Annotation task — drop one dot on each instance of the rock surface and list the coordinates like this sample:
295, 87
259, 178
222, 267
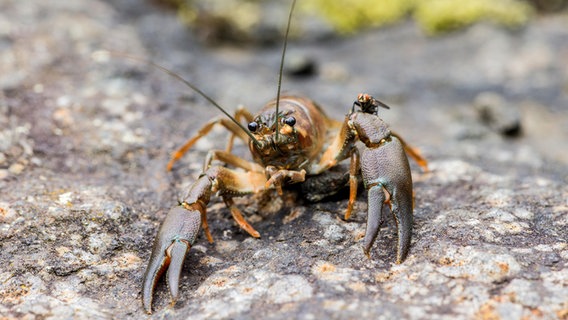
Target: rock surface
84, 145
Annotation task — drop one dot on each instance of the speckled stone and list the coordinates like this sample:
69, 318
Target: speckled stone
84, 145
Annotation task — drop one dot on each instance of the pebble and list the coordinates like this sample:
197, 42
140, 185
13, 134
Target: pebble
477, 265
551, 259
4, 173
290, 288
16, 168
524, 292
300, 65
500, 115
99, 242
334, 233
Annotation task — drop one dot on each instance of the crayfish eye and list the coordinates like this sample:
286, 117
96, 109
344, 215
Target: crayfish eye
291, 121
253, 126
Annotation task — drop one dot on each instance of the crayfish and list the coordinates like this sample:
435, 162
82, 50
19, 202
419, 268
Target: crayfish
290, 140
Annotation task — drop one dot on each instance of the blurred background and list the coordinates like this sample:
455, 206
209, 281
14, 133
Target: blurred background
232, 20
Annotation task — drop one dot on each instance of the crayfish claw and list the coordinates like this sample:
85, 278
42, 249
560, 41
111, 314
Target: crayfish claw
401, 208
397, 194
153, 273
177, 233
386, 174
177, 252
376, 200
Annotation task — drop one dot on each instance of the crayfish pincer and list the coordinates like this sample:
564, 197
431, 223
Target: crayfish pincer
386, 175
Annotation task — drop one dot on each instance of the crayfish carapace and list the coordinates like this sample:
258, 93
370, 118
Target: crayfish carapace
289, 139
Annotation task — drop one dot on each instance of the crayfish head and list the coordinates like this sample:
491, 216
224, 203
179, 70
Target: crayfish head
288, 148
274, 149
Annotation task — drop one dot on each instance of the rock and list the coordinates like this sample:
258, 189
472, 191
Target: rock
292, 288
498, 114
84, 188
300, 65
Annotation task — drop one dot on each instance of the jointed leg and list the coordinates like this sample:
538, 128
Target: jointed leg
277, 177
231, 159
239, 218
229, 183
353, 183
338, 150
240, 113
233, 128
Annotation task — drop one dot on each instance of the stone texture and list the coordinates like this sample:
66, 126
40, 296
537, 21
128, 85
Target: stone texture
83, 186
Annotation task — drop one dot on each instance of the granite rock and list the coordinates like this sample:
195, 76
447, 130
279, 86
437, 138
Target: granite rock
84, 144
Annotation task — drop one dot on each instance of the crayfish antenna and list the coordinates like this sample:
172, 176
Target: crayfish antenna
102, 55
282, 65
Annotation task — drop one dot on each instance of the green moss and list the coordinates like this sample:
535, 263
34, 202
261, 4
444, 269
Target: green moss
241, 14
348, 16
436, 16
